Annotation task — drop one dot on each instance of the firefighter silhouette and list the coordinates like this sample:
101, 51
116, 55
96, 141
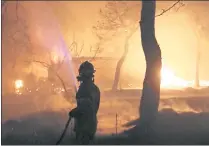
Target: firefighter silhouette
88, 101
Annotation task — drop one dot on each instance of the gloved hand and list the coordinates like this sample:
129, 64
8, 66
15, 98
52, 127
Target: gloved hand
72, 113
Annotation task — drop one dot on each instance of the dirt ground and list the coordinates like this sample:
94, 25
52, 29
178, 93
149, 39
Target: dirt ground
181, 120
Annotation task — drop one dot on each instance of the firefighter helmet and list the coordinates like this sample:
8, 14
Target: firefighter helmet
86, 70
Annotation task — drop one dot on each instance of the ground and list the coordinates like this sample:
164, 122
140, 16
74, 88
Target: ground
181, 120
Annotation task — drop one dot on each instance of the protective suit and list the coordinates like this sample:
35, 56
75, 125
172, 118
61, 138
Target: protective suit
88, 100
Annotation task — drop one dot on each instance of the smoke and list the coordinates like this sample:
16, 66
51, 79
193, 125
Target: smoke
46, 31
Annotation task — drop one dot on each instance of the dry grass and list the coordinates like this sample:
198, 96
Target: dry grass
48, 125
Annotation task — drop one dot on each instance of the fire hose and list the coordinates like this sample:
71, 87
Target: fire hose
63, 133
69, 119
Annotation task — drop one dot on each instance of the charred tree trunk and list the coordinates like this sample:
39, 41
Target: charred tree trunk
151, 86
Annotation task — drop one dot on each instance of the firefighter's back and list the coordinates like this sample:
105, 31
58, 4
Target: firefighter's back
88, 100
90, 94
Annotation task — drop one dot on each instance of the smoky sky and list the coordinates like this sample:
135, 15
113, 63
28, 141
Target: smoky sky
185, 29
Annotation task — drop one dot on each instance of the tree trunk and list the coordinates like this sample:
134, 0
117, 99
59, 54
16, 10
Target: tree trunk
197, 81
197, 67
122, 59
119, 66
2, 3
151, 86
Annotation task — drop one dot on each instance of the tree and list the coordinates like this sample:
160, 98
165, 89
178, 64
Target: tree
199, 30
53, 66
197, 79
15, 36
119, 19
55, 63
16, 46
151, 86
116, 21
197, 11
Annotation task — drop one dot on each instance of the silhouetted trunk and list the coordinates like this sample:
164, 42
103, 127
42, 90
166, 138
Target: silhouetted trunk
151, 86
121, 60
2, 3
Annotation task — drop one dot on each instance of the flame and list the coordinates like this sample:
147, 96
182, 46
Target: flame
170, 80
18, 84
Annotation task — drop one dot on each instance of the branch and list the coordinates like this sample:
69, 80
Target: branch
46, 65
61, 63
112, 16
104, 36
74, 47
71, 46
62, 82
79, 53
168, 9
42, 63
95, 54
14, 30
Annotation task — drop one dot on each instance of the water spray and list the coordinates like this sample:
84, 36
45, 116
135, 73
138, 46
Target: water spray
49, 34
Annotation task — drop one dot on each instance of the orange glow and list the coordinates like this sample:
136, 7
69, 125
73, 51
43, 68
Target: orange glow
168, 79
18, 84
55, 57
178, 43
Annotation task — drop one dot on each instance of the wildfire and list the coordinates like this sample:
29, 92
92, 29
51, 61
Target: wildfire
18, 84
170, 80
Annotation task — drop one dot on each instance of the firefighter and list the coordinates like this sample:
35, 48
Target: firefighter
88, 100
